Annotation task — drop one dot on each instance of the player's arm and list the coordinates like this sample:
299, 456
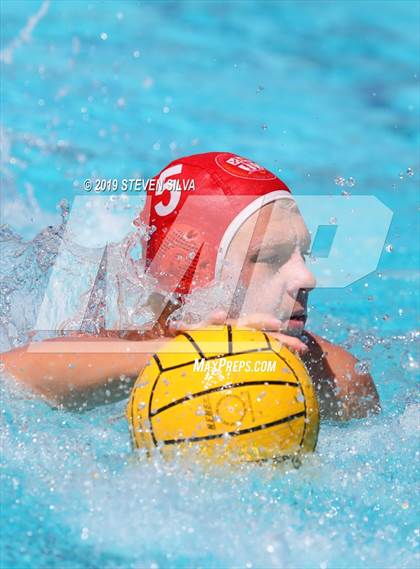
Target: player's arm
82, 370
79, 368
344, 392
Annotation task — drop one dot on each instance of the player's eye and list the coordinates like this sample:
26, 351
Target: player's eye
271, 260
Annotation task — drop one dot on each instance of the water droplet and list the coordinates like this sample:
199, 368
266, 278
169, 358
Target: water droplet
264, 127
362, 367
261, 396
104, 36
85, 533
409, 362
259, 89
389, 248
341, 181
410, 172
136, 54
333, 221
149, 232
385, 317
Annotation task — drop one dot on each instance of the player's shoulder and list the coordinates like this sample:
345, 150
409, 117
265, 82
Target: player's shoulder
333, 365
331, 352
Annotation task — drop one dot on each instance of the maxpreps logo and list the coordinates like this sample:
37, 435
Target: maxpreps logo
222, 367
242, 167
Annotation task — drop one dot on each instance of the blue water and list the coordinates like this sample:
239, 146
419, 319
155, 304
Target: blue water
312, 90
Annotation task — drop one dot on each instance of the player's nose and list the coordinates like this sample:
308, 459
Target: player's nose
302, 278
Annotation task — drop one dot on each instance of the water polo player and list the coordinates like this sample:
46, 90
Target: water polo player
231, 248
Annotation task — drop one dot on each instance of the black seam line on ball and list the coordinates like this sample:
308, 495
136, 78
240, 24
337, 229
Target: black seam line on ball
132, 429
194, 343
268, 341
277, 458
229, 331
218, 356
150, 408
158, 362
220, 388
235, 433
304, 399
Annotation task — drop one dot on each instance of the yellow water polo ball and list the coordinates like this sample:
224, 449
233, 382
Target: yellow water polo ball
226, 393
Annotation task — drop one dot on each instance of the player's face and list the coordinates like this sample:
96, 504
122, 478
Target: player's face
275, 279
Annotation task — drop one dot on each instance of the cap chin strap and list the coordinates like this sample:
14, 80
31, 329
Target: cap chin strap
242, 216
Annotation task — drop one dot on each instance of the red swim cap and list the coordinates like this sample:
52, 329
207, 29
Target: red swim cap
194, 207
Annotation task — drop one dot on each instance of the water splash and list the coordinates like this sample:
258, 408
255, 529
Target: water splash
110, 294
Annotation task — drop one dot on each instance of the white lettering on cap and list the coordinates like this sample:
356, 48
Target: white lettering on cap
163, 184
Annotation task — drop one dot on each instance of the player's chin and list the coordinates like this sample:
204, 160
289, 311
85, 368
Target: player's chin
295, 327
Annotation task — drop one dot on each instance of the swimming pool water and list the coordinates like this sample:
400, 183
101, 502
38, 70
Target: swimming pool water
312, 90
